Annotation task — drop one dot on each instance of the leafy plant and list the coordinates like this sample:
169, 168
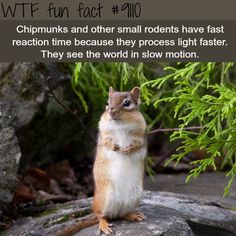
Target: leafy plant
181, 95
203, 94
91, 82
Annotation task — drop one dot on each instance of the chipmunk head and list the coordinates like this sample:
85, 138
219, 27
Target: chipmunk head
119, 102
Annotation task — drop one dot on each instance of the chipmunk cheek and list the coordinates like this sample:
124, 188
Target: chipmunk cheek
114, 114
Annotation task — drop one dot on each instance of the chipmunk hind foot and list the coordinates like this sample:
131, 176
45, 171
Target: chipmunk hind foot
138, 216
104, 226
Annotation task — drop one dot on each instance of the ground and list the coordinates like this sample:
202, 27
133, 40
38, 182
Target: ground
207, 184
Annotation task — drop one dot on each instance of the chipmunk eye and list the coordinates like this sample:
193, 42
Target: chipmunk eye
126, 103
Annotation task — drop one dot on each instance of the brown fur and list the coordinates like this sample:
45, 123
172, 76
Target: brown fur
115, 110
101, 182
101, 166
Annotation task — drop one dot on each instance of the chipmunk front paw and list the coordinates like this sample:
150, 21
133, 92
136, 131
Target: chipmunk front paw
115, 147
128, 149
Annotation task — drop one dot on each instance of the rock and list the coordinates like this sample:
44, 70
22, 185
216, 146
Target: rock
198, 211
46, 132
167, 214
206, 184
159, 221
23, 89
6, 117
4, 67
10, 155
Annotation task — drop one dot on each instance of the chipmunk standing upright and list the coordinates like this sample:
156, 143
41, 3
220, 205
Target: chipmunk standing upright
119, 165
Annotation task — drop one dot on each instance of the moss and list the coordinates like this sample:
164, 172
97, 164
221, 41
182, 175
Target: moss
230, 208
60, 220
39, 202
65, 218
48, 211
80, 214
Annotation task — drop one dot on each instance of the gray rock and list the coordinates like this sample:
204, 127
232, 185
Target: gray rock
6, 117
24, 87
159, 221
4, 67
9, 162
45, 131
206, 184
167, 214
21, 87
198, 210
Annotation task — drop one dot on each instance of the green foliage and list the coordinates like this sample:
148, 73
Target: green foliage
181, 95
91, 82
202, 94
121, 76
149, 167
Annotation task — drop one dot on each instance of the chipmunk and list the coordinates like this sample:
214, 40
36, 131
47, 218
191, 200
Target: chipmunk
119, 164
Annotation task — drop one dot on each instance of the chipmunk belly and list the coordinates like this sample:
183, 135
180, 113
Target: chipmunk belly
125, 172
126, 177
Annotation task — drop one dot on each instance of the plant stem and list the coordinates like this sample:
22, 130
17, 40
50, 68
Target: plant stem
174, 129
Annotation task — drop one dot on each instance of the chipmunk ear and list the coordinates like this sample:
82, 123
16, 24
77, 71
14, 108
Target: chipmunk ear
111, 91
135, 93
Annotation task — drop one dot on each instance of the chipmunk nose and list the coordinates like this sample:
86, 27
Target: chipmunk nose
113, 112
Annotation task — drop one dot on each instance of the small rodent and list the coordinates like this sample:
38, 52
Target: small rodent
119, 164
